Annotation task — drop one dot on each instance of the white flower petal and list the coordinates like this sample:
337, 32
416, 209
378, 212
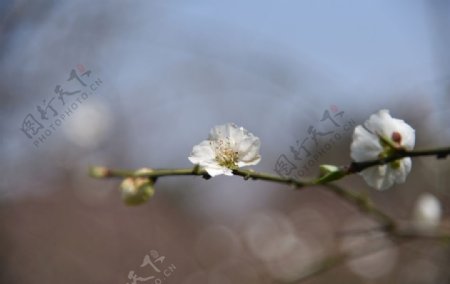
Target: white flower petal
204, 155
382, 123
378, 123
249, 163
248, 151
213, 170
237, 134
371, 176
225, 130
408, 136
365, 145
202, 152
378, 177
389, 178
403, 171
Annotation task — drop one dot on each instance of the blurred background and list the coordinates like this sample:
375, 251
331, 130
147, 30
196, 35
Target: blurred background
130, 84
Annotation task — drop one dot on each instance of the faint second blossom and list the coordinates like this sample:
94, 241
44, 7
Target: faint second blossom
427, 212
227, 148
377, 139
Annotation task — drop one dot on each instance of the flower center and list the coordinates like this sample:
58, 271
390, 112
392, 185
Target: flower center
388, 150
225, 155
396, 137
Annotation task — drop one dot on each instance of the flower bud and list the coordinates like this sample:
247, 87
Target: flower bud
330, 173
136, 190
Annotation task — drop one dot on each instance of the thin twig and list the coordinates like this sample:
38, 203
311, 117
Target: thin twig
196, 171
440, 153
354, 167
364, 205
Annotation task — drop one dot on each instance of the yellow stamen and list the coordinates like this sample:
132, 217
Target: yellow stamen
225, 155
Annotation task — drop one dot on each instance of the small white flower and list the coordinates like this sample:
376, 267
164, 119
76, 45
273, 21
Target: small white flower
228, 147
427, 212
367, 145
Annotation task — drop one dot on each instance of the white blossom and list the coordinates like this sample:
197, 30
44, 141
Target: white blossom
427, 212
368, 145
228, 147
